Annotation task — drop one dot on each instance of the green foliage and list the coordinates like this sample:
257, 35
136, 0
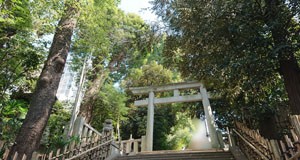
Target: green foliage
110, 104
95, 23
21, 53
14, 17
231, 46
164, 118
20, 58
126, 41
149, 74
12, 114
131, 44
45, 15
145, 76
135, 123
22, 23
54, 135
181, 133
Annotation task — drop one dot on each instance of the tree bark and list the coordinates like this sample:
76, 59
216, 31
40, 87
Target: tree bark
289, 70
28, 139
267, 126
86, 109
279, 21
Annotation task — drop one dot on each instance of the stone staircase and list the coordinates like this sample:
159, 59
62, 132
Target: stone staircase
180, 155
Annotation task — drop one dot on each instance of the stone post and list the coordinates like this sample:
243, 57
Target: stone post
176, 93
143, 148
107, 127
209, 118
108, 131
135, 147
129, 145
150, 122
78, 126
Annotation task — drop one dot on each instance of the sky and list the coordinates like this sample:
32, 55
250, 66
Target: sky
137, 6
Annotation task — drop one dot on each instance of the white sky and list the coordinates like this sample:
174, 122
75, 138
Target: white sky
137, 6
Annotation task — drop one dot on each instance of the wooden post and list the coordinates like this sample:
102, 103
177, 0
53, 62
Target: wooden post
24, 157
34, 156
5, 153
50, 154
1, 144
65, 153
57, 154
15, 156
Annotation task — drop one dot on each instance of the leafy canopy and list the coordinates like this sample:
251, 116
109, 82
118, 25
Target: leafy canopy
230, 46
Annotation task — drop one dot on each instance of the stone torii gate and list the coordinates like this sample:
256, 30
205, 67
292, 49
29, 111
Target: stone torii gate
176, 87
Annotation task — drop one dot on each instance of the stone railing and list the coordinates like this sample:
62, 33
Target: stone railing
132, 146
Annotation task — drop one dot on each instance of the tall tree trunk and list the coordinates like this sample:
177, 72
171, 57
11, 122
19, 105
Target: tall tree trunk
279, 20
289, 70
43, 98
267, 126
86, 109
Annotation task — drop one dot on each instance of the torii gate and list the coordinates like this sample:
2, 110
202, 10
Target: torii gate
176, 87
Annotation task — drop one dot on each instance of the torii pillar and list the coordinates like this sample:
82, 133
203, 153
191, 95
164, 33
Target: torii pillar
176, 98
150, 122
209, 118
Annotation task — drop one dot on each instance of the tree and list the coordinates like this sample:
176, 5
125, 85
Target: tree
54, 135
12, 115
14, 18
244, 49
129, 43
23, 25
47, 84
110, 104
143, 76
181, 133
19, 57
97, 48
136, 118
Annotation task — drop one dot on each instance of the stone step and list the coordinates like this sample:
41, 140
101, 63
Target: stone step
180, 156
